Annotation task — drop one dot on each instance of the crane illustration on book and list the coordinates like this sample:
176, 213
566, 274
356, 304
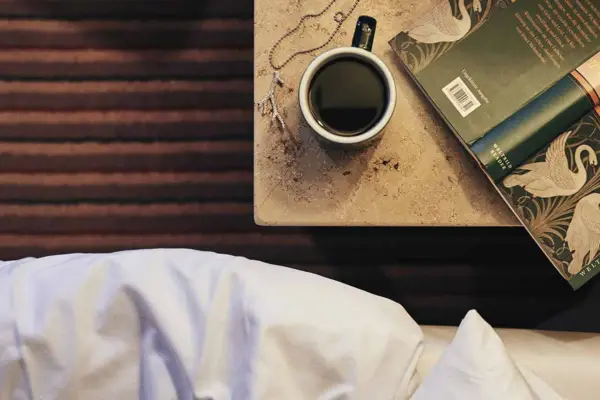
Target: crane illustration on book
440, 25
518, 83
560, 207
553, 177
583, 235
435, 32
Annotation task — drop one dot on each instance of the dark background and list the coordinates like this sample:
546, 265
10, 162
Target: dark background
128, 124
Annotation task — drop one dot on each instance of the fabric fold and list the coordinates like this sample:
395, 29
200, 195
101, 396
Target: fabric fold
184, 324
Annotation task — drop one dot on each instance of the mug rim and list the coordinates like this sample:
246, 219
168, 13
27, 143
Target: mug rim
305, 84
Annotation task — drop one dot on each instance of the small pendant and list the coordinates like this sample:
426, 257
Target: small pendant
269, 99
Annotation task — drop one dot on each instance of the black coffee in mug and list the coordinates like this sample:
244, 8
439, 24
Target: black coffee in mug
348, 96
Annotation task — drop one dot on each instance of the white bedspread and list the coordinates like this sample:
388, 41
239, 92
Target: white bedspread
182, 324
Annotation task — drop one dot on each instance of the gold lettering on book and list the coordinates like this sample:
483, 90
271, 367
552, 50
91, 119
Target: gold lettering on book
475, 86
593, 8
556, 27
526, 38
500, 157
589, 268
550, 48
587, 19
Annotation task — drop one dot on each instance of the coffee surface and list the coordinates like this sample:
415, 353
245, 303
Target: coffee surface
348, 96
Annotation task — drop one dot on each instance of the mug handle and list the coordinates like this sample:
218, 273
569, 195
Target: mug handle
364, 34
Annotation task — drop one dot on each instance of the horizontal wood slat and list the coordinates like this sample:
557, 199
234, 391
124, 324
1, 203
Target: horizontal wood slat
118, 157
460, 276
126, 125
133, 157
385, 245
125, 9
127, 187
525, 277
113, 64
119, 218
255, 245
272, 245
68, 35
153, 95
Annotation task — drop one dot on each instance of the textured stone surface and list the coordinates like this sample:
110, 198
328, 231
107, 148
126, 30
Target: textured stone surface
418, 174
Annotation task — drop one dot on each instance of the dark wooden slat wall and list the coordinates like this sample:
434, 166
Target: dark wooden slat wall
128, 124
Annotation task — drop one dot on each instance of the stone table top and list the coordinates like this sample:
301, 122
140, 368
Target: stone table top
417, 175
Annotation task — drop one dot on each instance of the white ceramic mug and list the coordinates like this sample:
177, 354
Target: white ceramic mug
361, 46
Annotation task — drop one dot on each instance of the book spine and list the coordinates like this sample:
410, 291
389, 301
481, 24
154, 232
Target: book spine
512, 142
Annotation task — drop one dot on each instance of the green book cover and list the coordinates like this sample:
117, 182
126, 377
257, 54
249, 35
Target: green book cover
556, 195
481, 61
517, 82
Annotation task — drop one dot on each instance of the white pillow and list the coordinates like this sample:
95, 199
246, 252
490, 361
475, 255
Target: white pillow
477, 366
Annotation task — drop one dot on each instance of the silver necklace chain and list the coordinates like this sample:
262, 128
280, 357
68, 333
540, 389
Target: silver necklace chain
269, 99
339, 17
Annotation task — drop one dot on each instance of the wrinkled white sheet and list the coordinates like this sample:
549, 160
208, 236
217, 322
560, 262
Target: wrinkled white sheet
182, 324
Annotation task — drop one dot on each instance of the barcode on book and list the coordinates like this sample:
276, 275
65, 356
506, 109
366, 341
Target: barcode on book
461, 97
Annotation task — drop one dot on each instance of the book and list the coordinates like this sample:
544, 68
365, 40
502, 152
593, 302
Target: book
518, 83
